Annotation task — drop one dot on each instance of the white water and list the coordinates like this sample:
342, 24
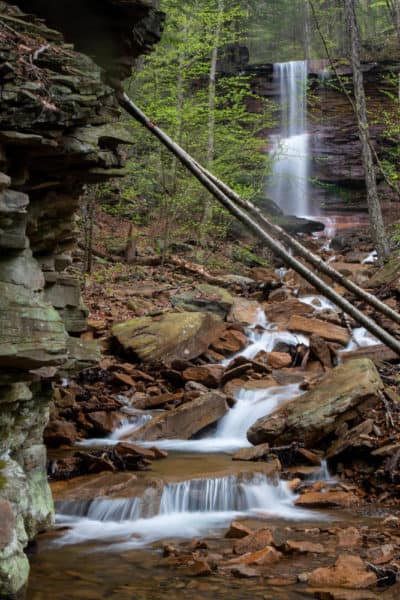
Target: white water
186, 509
288, 185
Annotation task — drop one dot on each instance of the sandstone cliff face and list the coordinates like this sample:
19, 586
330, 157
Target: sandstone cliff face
335, 149
57, 132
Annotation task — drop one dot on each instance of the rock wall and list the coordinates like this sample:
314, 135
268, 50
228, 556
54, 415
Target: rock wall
58, 131
335, 150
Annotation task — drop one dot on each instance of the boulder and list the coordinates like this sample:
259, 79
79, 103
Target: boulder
318, 413
186, 420
325, 330
205, 298
348, 572
183, 335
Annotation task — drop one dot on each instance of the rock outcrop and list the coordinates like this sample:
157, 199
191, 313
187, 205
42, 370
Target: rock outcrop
343, 397
57, 132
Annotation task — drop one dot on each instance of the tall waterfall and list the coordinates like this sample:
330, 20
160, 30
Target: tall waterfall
288, 184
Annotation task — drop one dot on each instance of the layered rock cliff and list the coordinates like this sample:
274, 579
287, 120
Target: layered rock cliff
58, 131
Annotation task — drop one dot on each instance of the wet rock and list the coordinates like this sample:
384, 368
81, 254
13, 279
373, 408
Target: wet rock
200, 568
256, 453
205, 298
244, 311
59, 432
342, 594
186, 420
244, 572
208, 375
254, 542
184, 335
349, 538
279, 360
237, 530
327, 499
348, 572
320, 349
357, 437
380, 555
303, 547
323, 329
229, 342
320, 411
104, 422
281, 312
265, 556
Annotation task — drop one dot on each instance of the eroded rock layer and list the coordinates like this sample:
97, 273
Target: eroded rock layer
58, 131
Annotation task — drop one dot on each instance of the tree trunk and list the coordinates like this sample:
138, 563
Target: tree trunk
207, 211
374, 207
257, 230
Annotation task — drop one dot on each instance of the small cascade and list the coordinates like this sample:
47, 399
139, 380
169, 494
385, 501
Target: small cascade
288, 184
181, 510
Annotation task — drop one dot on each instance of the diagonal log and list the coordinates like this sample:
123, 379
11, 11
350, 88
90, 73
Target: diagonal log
257, 229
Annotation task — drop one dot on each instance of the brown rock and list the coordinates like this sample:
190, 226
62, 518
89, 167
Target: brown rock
237, 531
348, 538
323, 329
254, 542
281, 312
319, 412
348, 572
265, 556
304, 547
381, 555
320, 349
342, 594
200, 568
125, 379
326, 499
125, 449
208, 375
230, 342
255, 453
104, 422
143, 401
244, 311
279, 360
7, 523
59, 432
244, 572
186, 420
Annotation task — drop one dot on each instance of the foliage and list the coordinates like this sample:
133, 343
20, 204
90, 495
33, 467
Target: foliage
173, 90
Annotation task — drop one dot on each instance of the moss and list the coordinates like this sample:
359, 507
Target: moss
247, 257
3, 479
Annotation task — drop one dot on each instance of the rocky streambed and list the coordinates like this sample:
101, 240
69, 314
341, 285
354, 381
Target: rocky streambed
259, 458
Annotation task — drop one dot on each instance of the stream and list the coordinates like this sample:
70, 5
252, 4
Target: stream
110, 547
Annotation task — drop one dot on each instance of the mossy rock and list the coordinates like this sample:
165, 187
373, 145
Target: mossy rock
205, 298
184, 335
245, 256
388, 274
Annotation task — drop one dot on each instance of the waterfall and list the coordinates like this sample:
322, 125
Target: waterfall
288, 184
185, 509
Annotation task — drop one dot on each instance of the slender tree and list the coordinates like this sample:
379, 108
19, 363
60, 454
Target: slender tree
374, 207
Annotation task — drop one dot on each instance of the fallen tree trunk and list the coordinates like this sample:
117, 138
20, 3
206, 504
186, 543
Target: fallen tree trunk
257, 229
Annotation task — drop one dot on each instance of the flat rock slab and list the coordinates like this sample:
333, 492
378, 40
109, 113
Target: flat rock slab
186, 420
319, 412
324, 329
348, 572
184, 335
205, 298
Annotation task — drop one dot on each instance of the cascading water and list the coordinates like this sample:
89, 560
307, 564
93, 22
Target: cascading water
288, 184
185, 509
